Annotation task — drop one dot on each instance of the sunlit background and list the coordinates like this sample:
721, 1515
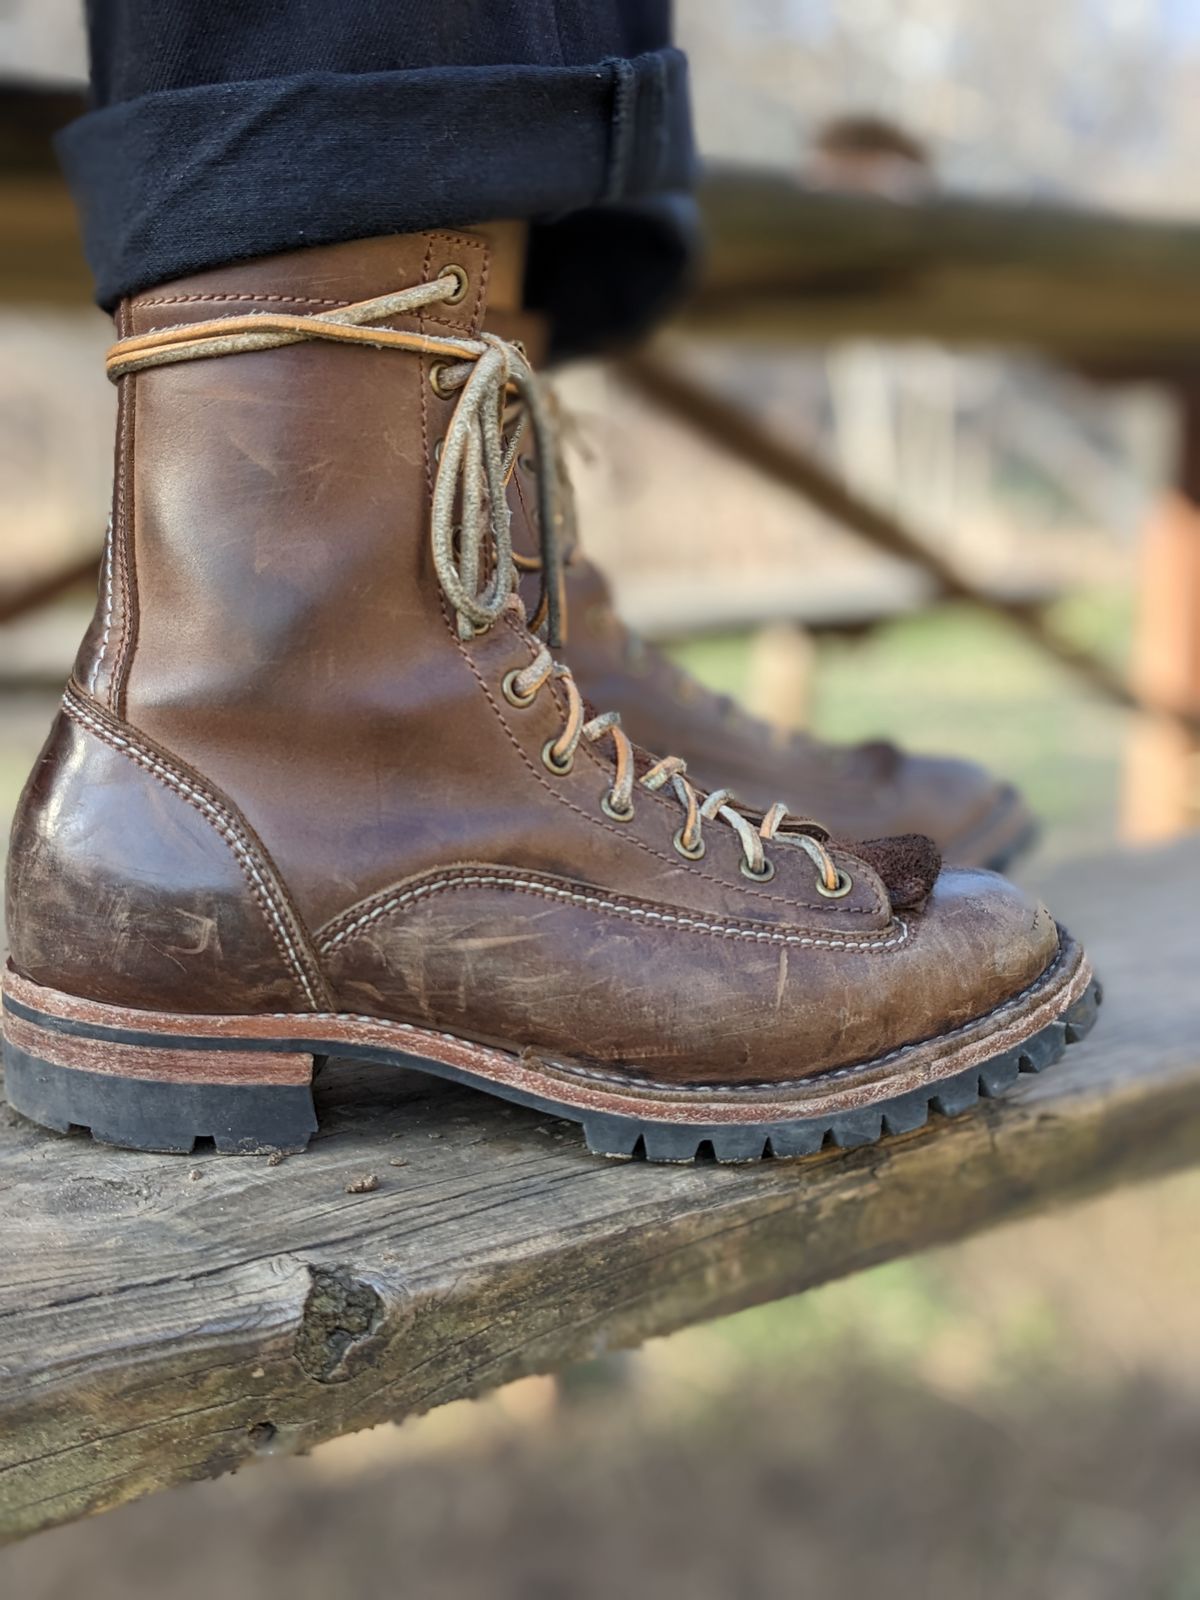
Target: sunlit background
1016, 1416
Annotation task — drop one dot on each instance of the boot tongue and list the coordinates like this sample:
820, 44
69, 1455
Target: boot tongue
520, 327
908, 866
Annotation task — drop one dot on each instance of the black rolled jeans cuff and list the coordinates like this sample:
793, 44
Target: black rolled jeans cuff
187, 179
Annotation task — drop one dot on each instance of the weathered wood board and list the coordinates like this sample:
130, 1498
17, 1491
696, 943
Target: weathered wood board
167, 1318
785, 262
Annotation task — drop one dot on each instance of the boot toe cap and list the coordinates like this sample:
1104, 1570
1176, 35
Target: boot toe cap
987, 940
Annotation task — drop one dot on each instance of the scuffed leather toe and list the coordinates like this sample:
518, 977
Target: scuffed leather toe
984, 940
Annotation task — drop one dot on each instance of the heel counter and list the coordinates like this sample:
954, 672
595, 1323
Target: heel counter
127, 885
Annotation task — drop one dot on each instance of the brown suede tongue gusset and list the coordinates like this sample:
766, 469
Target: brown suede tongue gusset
908, 865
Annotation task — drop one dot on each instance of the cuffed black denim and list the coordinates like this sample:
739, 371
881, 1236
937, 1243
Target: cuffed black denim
223, 130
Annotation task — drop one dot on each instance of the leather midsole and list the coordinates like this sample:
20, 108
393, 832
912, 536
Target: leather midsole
155, 1046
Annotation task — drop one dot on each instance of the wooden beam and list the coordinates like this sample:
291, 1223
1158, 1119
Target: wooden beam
171, 1318
42, 262
31, 113
19, 602
785, 263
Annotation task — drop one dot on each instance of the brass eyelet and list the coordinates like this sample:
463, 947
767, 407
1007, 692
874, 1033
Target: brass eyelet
435, 380
843, 887
693, 853
453, 270
552, 763
610, 810
765, 876
437, 452
512, 694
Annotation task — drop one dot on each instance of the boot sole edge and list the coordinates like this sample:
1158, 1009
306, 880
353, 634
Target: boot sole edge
155, 1089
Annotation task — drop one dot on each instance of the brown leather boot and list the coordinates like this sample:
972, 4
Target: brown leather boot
316, 788
865, 790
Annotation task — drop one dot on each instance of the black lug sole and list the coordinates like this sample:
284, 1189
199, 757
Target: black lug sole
248, 1118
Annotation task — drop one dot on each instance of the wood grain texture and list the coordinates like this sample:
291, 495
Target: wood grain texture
169, 1318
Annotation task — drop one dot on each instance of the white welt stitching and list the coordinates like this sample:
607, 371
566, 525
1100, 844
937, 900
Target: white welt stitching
108, 608
628, 1080
222, 823
723, 930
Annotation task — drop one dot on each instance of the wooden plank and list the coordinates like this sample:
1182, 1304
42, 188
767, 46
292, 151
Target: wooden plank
19, 602
42, 262
785, 262
166, 1319
31, 112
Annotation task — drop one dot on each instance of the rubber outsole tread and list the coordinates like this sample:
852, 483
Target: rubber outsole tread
621, 1137
172, 1117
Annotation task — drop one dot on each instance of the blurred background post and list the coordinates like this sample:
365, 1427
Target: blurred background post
932, 420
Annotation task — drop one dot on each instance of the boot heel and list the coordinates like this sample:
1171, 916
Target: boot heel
162, 1097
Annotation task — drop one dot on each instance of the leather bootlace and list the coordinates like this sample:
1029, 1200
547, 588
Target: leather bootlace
499, 396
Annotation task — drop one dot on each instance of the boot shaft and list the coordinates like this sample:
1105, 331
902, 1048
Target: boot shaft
269, 635
269, 545
270, 613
